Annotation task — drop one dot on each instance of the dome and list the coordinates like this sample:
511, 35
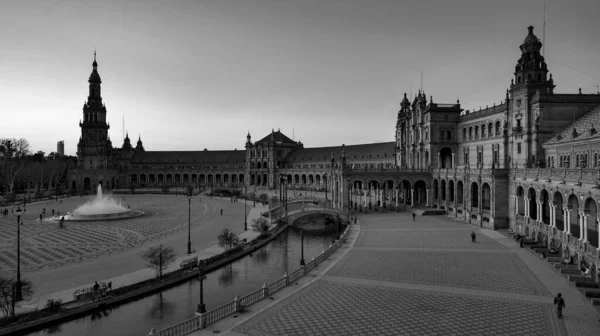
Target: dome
95, 77
531, 41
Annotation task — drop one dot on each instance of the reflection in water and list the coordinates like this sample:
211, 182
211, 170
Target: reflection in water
53, 329
261, 256
227, 275
160, 307
98, 315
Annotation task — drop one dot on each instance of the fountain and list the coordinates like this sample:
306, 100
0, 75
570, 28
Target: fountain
99, 208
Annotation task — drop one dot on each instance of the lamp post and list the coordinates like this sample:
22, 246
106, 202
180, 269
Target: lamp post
349, 200
189, 244
17, 211
254, 196
301, 248
201, 306
245, 214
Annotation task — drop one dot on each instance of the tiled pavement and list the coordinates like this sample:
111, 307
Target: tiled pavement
419, 281
44, 245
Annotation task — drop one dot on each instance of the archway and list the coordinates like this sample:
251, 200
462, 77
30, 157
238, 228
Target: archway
474, 195
87, 184
202, 179
258, 180
520, 201
443, 190
545, 215
252, 179
446, 158
459, 192
420, 193
573, 206
406, 194
592, 221
486, 197
451, 191
169, 178
532, 204
435, 190
265, 180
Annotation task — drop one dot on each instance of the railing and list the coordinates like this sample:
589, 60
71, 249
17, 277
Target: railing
589, 175
384, 169
212, 316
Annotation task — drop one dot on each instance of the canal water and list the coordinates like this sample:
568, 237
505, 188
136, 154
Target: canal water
177, 304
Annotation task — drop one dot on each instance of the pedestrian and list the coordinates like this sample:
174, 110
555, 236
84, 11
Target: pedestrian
41, 216
559, 302
473, 236
52, 212
414, 215
221, 212
110, 285
96, 286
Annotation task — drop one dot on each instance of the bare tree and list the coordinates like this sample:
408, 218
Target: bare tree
228, 239
7, 286
159, 258
260, 225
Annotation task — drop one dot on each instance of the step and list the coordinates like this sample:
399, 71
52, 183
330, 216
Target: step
541, 250
585, 284
592, 293
575, 271
580, 278
552, 259
561, 265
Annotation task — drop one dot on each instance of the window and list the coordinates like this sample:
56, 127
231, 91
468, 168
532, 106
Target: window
442, 133
490, 129
449, 135
476, 132
518, 123
465, 133
470, 133
483, 131
497, 128
519, 148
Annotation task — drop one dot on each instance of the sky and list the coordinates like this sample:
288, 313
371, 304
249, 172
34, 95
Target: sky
189, 75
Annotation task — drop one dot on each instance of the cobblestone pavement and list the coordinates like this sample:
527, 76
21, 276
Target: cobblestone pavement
490, 271
44, 245
407, 278
452, 239
329, 308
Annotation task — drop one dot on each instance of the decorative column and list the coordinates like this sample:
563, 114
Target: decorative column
397, 192
516, 205
553, 215
567, 220
412, 197
583, 215
452, 163
427, 197
526, 206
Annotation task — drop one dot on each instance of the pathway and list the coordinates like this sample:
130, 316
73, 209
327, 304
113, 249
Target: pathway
395, 276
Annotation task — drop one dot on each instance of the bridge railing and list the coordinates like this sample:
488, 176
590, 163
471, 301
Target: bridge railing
201, 321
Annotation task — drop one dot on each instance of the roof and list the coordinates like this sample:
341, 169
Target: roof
207, 156
585, 128
278, 137
366, 151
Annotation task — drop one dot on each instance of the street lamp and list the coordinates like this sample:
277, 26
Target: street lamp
349, 200
245, 214
189, 244
201, 306
17, 211
254, 196
302, 248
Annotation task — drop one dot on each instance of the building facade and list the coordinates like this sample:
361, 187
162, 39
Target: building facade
528, 162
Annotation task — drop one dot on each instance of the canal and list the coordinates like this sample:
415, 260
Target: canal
177, 304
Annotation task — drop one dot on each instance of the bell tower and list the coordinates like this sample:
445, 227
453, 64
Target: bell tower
93, 149
530, 79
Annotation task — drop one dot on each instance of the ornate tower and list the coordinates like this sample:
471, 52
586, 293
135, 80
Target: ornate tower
94, 147
531, 74
401, 125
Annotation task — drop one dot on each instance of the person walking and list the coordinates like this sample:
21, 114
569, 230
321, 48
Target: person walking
221, 212
473, 236
559, 303
414, 215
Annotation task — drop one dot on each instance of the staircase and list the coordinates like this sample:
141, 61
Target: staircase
586, 285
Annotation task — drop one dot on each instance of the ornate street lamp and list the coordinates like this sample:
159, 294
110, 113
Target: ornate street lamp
201, 306
302, 248
189, 243
254, 196
245, 214
18, 212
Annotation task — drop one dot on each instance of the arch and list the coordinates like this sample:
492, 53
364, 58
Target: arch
446, 158
210, 180
483, 131
226, 178
134, 178
218, 179
258, 179
258, 164
590, 209
464, 133
289, 178
573, 206
242, 178
152, 178
459, 192
545, 215
311, 179
194, 178
161, 178
142, 178
451, 191
490, 130
520, 201
474, 195
177, 178
435, 189
303, 179
470, 132
252, 179
169, 178
532, 204
476, 131
420, 193
318, 180
265, 180
186, 178
443, 190
498, 127
486, 196
87, 184
296, 179
202, 178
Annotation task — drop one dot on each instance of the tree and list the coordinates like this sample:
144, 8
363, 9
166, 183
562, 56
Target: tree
228, 239
6, 292
159, 258
260, 225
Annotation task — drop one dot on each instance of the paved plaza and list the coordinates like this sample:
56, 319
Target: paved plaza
45, 245
399, 277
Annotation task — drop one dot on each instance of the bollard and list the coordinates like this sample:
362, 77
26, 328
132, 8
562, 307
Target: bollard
238, 306
265, 290
287, 279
